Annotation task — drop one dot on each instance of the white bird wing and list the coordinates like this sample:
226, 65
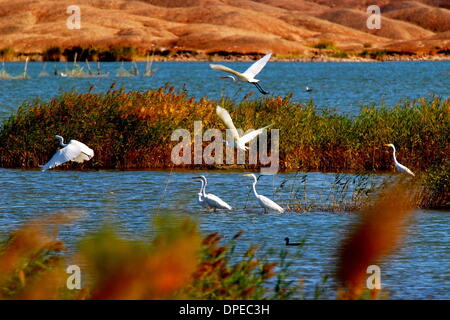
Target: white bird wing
225, 69
74, 151
253, 134
257, 66
68, 153
266, 202
226, 119
86, 153
215, 202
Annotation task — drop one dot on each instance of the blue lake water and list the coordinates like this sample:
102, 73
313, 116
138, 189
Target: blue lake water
340, 86
129, 200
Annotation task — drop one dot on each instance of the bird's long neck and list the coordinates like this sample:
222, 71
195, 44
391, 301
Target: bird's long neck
201, 188
61, 142
395, 158
204, 186
254, 187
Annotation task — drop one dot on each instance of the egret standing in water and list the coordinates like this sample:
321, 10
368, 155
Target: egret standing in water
399, 166
201, 200
209, 200
72, 151
249, 74
265, 202
240, 141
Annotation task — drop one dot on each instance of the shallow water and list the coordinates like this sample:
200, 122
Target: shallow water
130, 200
340, 86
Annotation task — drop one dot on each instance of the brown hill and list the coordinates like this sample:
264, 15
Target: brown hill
434, 19
281, 26
390, 28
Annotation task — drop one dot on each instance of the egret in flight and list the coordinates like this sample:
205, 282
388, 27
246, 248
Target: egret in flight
265, 202
249, 74
240, 141
399, 166
209, 200
72, 151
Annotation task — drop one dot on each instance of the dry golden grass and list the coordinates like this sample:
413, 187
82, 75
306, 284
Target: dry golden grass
376, 235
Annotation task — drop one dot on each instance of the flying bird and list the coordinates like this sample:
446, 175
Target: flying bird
399, 166
249, 74
265, 202
240, 141
209, 200
72, 151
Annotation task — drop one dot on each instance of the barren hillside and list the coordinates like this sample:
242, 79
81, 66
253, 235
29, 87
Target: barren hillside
241, 26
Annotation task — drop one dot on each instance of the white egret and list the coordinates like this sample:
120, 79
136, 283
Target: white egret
265, 202
209, 200
249, 74
73, 151
201, 201
399, 166
240, 141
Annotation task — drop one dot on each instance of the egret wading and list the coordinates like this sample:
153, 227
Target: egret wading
399, 166
265, 202
249, 74
240, 141
209, 200
72, 151
201, 201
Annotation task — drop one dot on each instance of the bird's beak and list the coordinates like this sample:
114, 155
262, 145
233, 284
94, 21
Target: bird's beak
196, 177
386, 145
246, 175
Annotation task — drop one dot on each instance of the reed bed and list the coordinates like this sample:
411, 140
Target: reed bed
132, 130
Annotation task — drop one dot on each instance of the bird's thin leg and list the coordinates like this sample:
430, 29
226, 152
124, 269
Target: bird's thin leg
259, 88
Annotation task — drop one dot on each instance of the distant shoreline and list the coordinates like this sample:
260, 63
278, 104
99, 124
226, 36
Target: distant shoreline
274, 59
119, 54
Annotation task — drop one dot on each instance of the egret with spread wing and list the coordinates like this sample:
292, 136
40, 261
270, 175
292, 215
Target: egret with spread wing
209, 200
249, 74
399, 166
240, 141
265, 202
72, 151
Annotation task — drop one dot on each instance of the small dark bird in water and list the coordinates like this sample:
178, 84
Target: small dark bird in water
291, 244
308, 89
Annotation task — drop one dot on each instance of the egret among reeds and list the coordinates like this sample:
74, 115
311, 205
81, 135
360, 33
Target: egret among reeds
209, 200
399, 166
265, 202
240, 141
72, 151
249, 74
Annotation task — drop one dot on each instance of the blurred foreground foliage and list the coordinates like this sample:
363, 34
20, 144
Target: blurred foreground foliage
177, 264
180, 263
